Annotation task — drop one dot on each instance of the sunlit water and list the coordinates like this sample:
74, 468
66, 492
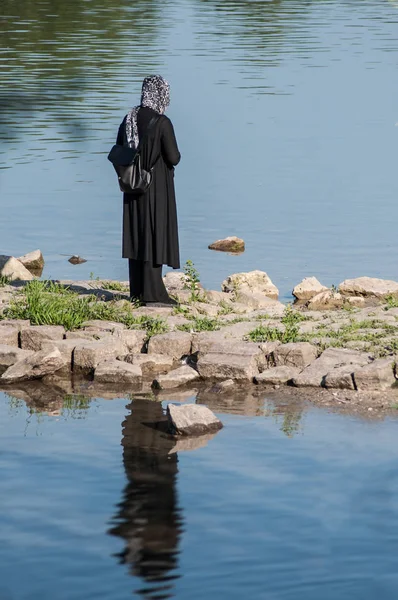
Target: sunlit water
285, 113
283, 503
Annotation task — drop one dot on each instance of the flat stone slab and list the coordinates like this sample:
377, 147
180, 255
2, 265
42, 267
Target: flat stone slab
88, 355
314, 375
117, 372
192, 419
276, 375
10, 355
240, 367
9, 336
176, 378
369, 287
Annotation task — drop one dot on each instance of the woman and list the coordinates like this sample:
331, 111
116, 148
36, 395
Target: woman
150, 233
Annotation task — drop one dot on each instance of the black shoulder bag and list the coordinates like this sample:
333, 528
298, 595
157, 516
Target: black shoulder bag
133, 179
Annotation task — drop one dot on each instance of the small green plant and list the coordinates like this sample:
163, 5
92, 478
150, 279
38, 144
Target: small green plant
225, 308
392, 302
192, 281
93, 278
292, 317
115, 286
200, 324
4, 280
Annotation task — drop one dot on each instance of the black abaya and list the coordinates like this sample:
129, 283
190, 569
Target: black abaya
150, 220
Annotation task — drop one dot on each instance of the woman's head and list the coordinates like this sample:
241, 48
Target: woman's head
155, 93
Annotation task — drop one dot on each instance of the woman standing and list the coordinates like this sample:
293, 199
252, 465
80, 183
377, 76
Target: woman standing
150, 231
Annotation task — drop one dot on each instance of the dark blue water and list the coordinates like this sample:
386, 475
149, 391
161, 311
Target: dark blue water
292, 503
285, 112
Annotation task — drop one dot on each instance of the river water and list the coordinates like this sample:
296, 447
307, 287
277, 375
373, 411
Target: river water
285, 113
284, 502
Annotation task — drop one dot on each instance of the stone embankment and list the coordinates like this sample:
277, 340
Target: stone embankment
338, 339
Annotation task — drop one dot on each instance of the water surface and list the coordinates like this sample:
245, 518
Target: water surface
285, 112
285, 502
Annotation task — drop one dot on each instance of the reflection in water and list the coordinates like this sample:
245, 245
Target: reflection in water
149, 519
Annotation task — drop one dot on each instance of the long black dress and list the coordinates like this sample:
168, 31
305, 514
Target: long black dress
150, 230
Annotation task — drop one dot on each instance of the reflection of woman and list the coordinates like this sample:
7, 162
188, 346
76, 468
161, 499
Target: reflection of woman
150, 235
149, 519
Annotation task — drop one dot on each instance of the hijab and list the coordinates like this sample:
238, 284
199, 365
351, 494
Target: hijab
155, 95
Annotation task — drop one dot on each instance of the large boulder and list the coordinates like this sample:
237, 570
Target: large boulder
175, 281
229, 244
253, 282
299, 355
192, 419
117, 372
33, 261
378, 375
88, 355
315, 374
307, 289
35, 366
175, 344
176, 378
369, 287
13, 269
9, 356
239, 367
32, 338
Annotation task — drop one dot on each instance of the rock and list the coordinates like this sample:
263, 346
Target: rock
369, 287
33, 261
176, 378
308, 288
91, 335
298, 355
229, 244
175, 344
66, 348
18, 324
208, 310
175, 281
117, 372
9, 356
150, 363
35, 366
9, 336
192, 419
239, 367
326, 301
98, 325
13, 269
32, 338
254, 282
340, 378
378, 375
314, 375
76, 260
215, 297
256, 300
88, 355
133, 339
267, 348
276, 375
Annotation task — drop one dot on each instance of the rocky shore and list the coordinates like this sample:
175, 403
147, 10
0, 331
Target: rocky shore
343, 340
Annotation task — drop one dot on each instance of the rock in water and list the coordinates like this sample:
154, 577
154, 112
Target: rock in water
229, 244
35, 366
33, 261
76, 260
369, 287
192, 419
13, 269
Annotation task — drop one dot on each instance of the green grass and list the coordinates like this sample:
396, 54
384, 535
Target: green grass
115, 286
201, 324
225, 308
4, 280
46, 303
392, 302
273, 334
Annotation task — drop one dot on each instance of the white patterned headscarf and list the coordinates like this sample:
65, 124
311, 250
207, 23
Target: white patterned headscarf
156, 95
